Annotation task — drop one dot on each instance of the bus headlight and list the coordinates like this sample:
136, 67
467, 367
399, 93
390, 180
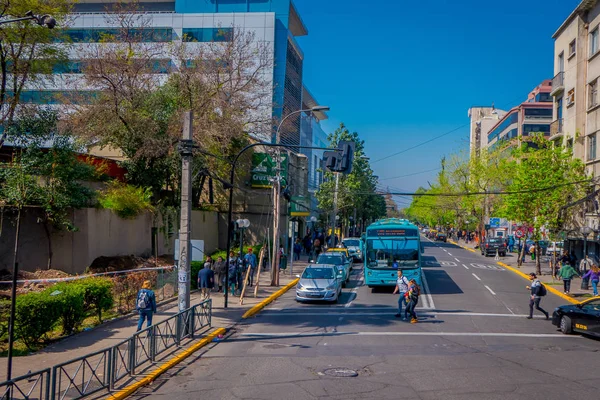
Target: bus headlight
369, 274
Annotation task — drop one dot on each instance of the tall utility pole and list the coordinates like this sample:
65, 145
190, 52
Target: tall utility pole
186, 213
276, 195
335, 209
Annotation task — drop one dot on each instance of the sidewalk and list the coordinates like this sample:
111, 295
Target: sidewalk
529, 266
112, 332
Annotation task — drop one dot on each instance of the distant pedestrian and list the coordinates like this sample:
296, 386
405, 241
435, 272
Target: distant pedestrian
594, 276
206, 280
317, 249
401, 288
145, 305
566, 273
413, 299
233, 272
297, 249
220, 268
252, 263
208, 263
532, 251
307, 241
511, 244
538, 290
241, 272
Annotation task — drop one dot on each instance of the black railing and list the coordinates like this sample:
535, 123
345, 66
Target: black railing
103, 369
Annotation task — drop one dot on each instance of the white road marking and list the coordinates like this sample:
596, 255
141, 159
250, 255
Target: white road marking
391, 311
427, 291
449, 254
353, 291
456, 259
465, 266
491, 291
413, 333
476, 277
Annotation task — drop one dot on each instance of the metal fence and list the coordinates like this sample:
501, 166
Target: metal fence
106, 368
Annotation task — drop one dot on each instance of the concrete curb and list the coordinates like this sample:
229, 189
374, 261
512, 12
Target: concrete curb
548, 287
258, 307
123, 393
462, 247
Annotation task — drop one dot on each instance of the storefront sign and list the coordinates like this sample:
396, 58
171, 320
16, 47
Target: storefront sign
264, 169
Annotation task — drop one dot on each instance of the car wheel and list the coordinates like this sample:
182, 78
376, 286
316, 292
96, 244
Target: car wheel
502, 254
566, 326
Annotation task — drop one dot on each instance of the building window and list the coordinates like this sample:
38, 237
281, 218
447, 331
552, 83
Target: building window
593, 42
112, 35
207, 34
572, 48
593, 93
570, 97
592, 147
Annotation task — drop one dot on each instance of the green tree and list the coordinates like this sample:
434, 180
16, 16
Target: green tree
545, 178
25, 54
45, 172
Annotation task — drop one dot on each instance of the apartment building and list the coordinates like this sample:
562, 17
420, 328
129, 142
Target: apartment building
483, 119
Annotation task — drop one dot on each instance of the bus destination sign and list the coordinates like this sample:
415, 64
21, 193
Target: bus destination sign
393, 232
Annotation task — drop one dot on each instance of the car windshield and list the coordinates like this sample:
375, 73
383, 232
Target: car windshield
383, 253
495, 240
352, 242
317, 273
330, 259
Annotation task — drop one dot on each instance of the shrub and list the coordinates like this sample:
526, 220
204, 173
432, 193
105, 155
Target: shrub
36, 314
125, 200
4, 317
70, 296
98, 295
126, 287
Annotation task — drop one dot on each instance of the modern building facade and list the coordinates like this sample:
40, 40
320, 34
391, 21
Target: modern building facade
483, 119
532, 116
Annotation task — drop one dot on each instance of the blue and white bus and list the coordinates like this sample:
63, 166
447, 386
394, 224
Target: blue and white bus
391, 242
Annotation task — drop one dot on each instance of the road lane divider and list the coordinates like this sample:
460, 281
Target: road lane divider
476, 277
488, 288
457, 260
548, 287
258, 307
125, 392
464, 265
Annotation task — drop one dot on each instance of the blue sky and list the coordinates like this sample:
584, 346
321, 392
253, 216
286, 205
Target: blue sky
400, 72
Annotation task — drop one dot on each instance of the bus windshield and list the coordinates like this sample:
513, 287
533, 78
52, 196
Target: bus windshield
352, 242
382, 253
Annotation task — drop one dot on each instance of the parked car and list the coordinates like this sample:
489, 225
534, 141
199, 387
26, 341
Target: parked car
319, 282
339, 261
583, 317
555, 247
441, 236
355, 248
492, 245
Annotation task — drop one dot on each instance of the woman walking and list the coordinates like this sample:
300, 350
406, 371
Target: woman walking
566, 273
594, 276
220, 269
413, 299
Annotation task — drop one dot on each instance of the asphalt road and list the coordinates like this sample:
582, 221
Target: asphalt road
472, 342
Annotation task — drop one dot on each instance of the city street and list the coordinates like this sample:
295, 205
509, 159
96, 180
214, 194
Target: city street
472, 342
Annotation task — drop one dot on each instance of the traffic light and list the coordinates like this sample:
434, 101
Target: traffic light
331, 160
347, 158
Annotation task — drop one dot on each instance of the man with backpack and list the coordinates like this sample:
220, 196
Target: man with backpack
145, 305
538, 290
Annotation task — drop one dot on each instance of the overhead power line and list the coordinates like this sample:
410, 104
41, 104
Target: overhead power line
412, 174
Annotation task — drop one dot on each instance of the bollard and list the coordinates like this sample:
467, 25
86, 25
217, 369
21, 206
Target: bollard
497, 257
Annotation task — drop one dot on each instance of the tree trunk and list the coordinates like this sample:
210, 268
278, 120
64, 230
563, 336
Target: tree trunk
521, 253
538, 253
49, 240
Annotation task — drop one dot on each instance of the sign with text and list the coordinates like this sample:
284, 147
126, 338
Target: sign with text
299, 207
264, 168
392, 232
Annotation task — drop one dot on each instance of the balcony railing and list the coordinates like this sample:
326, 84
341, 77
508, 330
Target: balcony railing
556, 127
558, 84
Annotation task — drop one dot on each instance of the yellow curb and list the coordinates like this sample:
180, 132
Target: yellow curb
255, 309
123, 393
462, 247
548, 287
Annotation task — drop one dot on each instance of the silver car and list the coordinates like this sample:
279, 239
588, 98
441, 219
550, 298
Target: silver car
319, 282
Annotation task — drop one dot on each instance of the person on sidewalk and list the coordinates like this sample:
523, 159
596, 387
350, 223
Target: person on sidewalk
220, 269
413, 299
251, 262
537, 291
401, 287
206, 281
233, 273
511, 244
317, 248
594, 276
145, 305
566, 273
297, 249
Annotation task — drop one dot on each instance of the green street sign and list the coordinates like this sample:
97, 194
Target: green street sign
299, 207
263, 168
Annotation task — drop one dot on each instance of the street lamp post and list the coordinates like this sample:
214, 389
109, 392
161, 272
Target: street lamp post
586, 230
277, 193
50, 23
242, 224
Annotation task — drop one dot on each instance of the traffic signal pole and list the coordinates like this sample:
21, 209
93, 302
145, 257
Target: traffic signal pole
335, 209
